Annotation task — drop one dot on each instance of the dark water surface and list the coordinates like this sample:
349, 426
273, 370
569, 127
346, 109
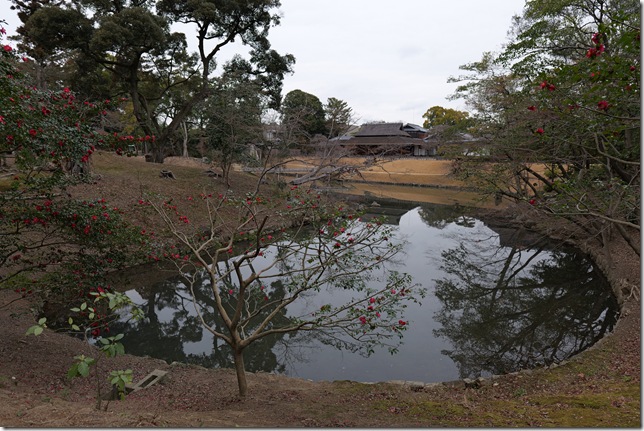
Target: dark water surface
498, 300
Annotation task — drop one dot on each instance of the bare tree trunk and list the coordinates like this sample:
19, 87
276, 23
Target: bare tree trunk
241, 372
184, 129
157, 155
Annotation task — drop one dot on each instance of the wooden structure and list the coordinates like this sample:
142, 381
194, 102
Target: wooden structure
388, 139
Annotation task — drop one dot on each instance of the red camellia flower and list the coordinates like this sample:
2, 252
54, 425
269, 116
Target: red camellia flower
532, 108
539, 131
7, 48
603, 105
547, 86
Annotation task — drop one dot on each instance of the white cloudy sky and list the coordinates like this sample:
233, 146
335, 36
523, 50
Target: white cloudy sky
388, 60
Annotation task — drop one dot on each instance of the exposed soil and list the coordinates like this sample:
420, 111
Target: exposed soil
600, 387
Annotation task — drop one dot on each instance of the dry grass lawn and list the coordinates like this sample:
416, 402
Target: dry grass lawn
400, 171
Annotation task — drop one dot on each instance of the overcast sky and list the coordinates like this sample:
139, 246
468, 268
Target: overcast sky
389, 61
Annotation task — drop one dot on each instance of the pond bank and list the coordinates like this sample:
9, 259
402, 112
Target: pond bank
598, 388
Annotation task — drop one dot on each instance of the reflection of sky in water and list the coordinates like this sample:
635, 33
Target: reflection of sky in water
419, 357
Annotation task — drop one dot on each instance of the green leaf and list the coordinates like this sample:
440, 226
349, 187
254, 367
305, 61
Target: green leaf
83, 306
38, 330
42, 321
75, 309
120, 349
75, 328
83, 369
73, 371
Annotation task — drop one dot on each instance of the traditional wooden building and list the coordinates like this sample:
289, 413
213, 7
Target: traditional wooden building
388, 139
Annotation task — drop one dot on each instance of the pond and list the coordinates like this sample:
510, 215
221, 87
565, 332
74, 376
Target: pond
498, 300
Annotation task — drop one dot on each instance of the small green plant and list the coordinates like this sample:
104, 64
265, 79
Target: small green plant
38, 328
119, 379
94, 315
81, 367
111, 346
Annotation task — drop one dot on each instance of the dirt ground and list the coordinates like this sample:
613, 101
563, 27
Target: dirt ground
599, 388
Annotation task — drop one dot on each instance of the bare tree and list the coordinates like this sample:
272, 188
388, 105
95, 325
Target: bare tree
246, 263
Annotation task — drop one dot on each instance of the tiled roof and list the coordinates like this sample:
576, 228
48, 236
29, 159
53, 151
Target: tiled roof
381, 129
384, 140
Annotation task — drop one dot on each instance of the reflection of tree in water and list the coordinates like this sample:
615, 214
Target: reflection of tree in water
160, 338
439, 216
165, 338
505, 309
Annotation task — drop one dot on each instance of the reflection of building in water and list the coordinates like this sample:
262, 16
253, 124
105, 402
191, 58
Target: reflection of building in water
391, 209
391, 215
517, 238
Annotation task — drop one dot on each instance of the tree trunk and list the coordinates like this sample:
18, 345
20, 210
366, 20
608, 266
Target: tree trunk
184, 130
241, 372
157, 154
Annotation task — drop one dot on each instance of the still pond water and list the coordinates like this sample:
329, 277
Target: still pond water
498, 300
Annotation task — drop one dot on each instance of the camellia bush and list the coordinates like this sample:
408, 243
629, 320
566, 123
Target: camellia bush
560, 109
50, 242
54, 248
257, 274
